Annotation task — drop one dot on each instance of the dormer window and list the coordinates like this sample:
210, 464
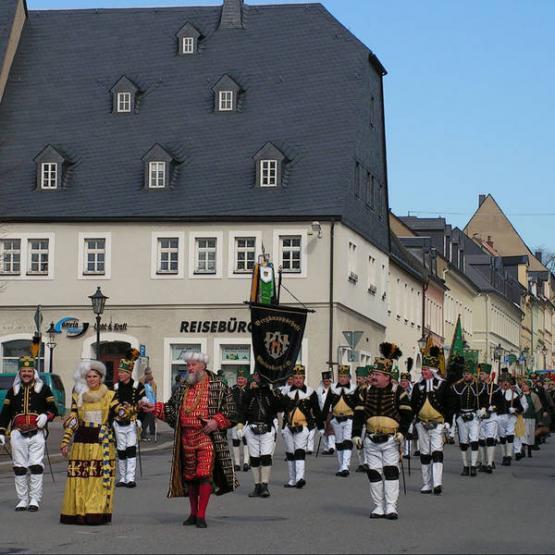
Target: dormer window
226, 101
158, 168
226, 93
124, 102
269, 166
124, 96
187, 40
157, 175
50, 167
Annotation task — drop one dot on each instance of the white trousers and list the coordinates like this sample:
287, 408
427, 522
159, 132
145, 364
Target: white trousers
469, 432
310, 442
295, 450
530, 436
28, 454
343, 433
238, 439
431, 443
126, 445
488, 427
259, 444
506, 423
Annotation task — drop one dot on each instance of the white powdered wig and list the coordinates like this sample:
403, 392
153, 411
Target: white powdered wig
193, 355
80, 374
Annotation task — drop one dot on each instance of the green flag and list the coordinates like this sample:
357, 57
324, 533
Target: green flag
457, 344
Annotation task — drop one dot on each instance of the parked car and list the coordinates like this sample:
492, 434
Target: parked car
52, 380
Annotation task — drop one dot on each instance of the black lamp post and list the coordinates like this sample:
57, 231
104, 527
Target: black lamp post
497, 353
98, 301
422, 343
51, 344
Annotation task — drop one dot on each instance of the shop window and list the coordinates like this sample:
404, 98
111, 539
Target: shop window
232, 357
11, 351
178, 351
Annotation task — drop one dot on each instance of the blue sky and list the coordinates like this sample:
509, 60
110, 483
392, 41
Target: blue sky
469, 101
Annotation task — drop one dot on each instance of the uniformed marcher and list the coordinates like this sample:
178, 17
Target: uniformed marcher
239, 390
507, 408
488, 435
257, 416
362, 374
385, 413
432, 408
128, 393
411, 439
340, 403
301, 414
28, 407
466, 403
322, 392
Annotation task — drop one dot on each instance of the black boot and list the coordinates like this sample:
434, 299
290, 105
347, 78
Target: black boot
473, 471
256, 491
465, 471
529, 451
264, 491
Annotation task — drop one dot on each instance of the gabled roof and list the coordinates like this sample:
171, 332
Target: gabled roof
59, 90
481, 222
124, 84
406, 260
188, 30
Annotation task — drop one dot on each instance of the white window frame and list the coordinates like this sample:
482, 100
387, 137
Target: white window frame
246, 339
157, 169
193, 236
168, 342
23, 274
155, 236
169, 250
352, 265
372, 275
278, 260
40, 252
187, 45
268, 173
124, 102
82, 257
225, 101
11, 252
232, 252
25, 337
49, 175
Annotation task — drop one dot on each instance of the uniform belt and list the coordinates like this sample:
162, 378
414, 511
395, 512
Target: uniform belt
123, 422
28, 433
343, 418
379, 437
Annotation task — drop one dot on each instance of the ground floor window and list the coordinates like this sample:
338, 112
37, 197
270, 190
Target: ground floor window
233, 356
177, 352
10, 351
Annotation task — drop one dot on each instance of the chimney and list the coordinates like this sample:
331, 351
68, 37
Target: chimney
481, 199
539, 255
232, 15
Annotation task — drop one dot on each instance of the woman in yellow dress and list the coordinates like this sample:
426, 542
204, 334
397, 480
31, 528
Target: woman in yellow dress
89, 489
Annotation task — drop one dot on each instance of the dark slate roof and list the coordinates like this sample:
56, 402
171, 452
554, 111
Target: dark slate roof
299, 67
7, 14
406, 259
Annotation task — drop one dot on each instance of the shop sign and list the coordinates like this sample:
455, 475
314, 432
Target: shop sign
215, 326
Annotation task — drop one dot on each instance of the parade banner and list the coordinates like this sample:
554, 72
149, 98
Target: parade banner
277, 333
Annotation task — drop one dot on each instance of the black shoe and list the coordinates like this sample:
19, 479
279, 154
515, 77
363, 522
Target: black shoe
246, 467
191, 521
466, 471
326, 452
264, 491
309, 452
20, 509
426, 491
339, 473
518, 456
201, 523
131, 485
509, 461
535, 448
376, 515
256, 491
473, 471
437, 490
493, 465
237, 468
488, 469
530, 452
300, 484
360, 468
332, 451
344, 473
504, 462
33, 508
391, 516
406, 457
417, 453
288, 485
481, 468
121, 485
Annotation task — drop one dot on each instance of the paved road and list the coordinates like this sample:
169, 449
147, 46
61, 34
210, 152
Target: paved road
507, 512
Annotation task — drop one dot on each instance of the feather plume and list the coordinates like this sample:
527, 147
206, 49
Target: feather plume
410, 364
434, 351
390, 350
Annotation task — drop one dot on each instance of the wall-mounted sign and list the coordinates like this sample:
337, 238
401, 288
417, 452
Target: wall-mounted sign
215, 326
72, 326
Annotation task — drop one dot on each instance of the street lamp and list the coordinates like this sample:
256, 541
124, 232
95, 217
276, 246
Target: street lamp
544, 353
51, 344
98, 301
422, 342
497, 353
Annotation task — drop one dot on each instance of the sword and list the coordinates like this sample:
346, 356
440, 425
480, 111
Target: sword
318, 448
137, 434
409, 453
48, 458
402, 467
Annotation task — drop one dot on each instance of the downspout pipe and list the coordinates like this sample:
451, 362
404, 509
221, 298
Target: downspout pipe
330, 330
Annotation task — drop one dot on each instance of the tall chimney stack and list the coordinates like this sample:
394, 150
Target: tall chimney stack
232, 15
481, 199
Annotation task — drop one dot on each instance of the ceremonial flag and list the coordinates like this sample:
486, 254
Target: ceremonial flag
277, 334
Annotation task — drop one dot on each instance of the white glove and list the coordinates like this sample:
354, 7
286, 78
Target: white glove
446, 426
399, 438
491, 408
512, 410
139, 424
2, 440
321, 431
42, 419
482, 412
357, 442
240, 430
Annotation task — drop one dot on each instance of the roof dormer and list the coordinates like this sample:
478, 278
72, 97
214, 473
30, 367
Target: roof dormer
50, 169
159, 164
270, 162
226, 94
187, 40
124, 96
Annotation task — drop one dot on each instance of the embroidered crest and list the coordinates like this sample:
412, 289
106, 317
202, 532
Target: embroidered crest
276, 343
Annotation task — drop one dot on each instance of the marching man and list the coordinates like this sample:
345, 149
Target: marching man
301, 413
128, 394
385, 413
431, 406
322, 392
239, 390
489, 397
28, 407
341, 402
509, 405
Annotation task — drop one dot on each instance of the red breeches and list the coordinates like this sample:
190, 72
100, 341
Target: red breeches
198, 455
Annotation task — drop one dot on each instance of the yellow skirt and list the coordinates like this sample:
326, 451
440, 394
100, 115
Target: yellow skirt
87, 500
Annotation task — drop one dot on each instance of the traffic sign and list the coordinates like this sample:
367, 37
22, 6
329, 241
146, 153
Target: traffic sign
142, 350
352, 337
